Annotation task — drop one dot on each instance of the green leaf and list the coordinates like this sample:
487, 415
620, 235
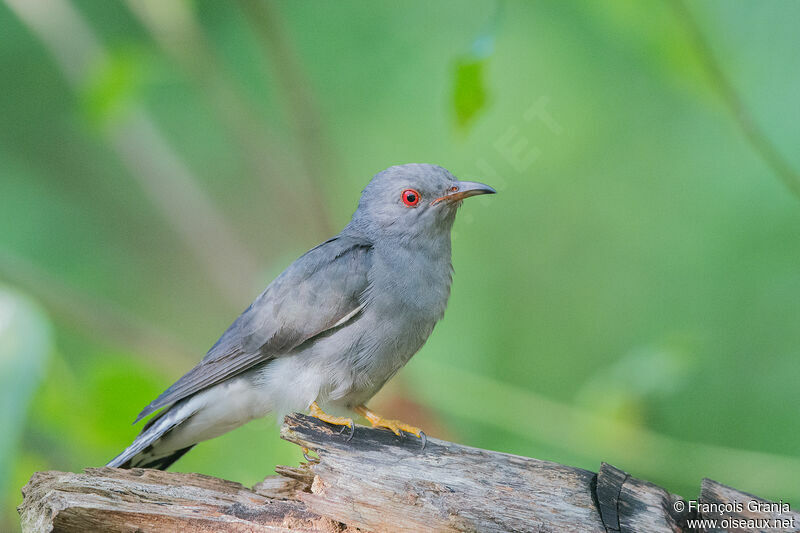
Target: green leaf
113, 85
469, 91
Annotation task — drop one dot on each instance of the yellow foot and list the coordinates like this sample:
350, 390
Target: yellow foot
395, 425
316, 412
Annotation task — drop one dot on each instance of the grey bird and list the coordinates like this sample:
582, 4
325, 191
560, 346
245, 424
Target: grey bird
331, 329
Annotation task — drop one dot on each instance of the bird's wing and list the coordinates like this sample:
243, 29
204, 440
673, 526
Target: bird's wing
320, 291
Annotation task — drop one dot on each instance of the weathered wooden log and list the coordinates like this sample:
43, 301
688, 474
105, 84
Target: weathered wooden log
138, 500
734, 510
382, 483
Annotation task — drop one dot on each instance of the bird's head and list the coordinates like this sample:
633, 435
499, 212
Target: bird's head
414, 199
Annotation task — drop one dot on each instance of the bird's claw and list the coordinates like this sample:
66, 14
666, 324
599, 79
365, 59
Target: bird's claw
395, 426
308, 458
401, 432
352, 432
318, 413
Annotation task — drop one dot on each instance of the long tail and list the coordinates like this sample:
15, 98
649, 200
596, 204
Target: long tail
143, 453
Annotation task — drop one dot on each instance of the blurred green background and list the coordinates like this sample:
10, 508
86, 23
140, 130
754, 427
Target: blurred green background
631, 296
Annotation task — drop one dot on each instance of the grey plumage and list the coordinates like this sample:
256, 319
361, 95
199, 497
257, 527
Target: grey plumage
332, 328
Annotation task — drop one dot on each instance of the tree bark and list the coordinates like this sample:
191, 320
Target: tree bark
382, 483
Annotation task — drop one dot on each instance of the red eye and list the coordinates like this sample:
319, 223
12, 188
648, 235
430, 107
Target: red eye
410, 197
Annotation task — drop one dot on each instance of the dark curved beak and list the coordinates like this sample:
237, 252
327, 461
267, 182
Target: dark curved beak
465, 190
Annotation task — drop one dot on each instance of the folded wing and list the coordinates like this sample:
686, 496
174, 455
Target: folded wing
320, 291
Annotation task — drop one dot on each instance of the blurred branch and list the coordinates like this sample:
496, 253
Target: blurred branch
316, 156
757, 138
590, 435
95, 315
136, 139
174, 190
174, 26
74, 52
